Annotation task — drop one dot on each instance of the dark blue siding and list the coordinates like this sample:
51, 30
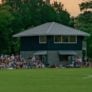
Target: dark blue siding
32, 44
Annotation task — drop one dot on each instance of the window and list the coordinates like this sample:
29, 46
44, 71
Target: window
57, 39
65, 39
73, 39
42, 39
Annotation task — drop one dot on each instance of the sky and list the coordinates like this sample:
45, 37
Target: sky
72, 6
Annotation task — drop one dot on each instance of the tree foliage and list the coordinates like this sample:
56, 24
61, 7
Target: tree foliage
18, 15
6, 19
86, 5
84, 22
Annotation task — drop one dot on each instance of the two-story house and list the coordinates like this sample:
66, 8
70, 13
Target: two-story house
54, 43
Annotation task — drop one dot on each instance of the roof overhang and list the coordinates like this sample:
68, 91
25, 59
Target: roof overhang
40, 53
67, 53
51, 28
86, 35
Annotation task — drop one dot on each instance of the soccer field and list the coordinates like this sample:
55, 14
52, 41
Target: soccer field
46, 80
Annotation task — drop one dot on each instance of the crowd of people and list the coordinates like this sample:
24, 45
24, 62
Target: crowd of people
17, 62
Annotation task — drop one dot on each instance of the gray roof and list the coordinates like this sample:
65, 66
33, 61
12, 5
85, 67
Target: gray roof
51, 28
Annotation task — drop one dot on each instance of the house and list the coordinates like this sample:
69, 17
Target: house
54, 43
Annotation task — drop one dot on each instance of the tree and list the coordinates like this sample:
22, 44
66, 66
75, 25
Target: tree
18, 15
34, 12
86, 5
6, 19
63, 16
84, 22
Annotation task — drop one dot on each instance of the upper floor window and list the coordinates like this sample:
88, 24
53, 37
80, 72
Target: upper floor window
73, 39
42, 39
65, 39
57, 39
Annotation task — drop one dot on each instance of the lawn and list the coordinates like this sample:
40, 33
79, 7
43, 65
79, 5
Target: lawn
46, 80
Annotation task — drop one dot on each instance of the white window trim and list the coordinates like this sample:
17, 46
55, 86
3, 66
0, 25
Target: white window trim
42, 42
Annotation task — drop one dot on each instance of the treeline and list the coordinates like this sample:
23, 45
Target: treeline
18, 15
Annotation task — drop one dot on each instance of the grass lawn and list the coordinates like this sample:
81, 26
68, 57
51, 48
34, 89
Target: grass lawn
46, 80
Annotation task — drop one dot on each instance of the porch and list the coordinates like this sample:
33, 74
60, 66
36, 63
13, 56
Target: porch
56, 57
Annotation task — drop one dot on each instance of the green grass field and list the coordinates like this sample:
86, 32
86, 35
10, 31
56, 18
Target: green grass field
46, 80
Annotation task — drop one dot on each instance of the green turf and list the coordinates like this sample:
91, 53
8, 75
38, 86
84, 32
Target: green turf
46, 80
